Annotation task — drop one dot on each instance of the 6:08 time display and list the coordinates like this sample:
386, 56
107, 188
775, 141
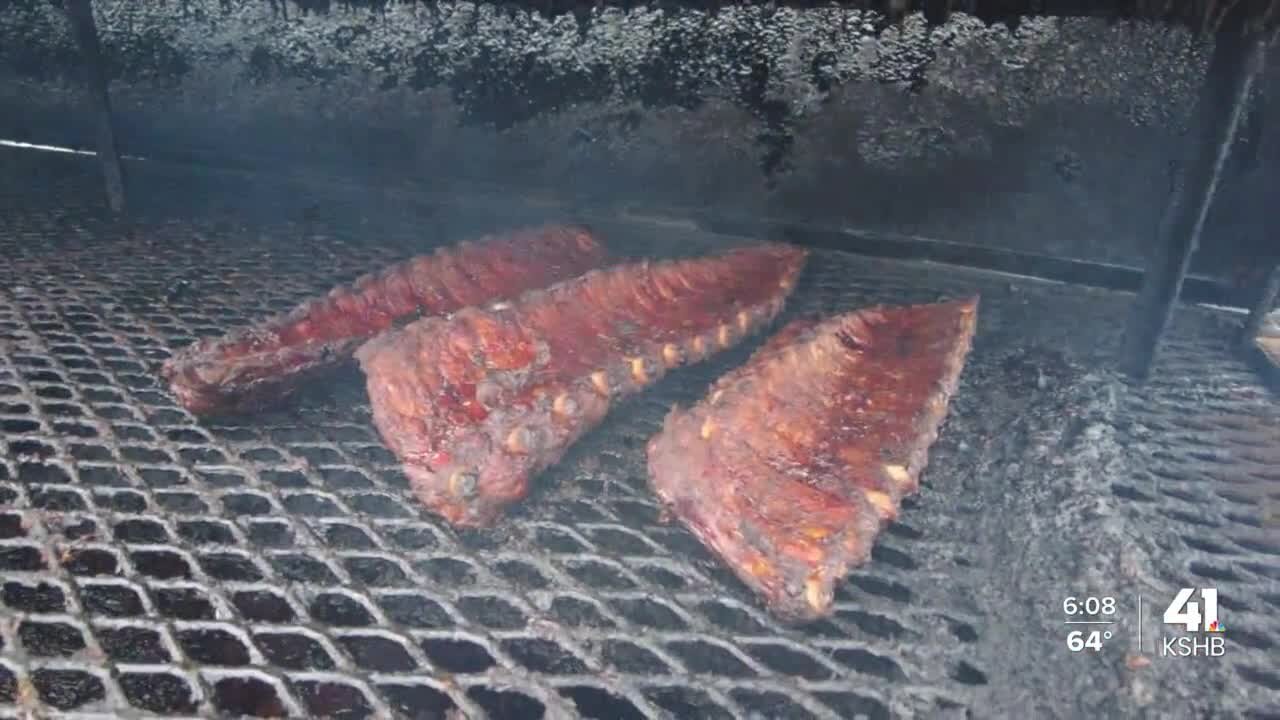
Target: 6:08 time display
1089, 605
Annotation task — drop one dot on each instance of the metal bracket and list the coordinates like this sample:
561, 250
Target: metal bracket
80, 15
1236, 62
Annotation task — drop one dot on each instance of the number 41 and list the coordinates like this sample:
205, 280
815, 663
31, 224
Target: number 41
1182, 611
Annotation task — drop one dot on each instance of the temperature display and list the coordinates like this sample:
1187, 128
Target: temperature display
1092, 617
1078, 640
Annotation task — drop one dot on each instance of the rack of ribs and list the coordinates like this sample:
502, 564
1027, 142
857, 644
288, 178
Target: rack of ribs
476, 404
261, 365
793, 462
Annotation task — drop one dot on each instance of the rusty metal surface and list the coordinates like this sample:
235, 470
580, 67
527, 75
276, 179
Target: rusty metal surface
153, 562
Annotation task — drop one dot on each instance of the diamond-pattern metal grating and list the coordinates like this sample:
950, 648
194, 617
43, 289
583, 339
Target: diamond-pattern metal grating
155, 563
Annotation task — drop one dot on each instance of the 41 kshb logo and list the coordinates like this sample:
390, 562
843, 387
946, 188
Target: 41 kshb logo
1208, 640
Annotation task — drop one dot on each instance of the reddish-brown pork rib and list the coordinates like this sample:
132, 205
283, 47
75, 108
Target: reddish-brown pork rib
261, 364
791, 465
476, 404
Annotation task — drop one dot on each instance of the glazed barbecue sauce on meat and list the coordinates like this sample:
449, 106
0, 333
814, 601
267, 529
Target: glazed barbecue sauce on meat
476, 404
263, 364
793, 463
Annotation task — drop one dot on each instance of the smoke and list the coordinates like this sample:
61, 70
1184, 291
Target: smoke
1056, 136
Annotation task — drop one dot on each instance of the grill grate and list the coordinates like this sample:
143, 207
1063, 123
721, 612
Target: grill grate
154, 563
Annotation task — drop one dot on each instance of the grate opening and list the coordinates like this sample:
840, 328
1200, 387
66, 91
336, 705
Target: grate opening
111, 600
8, 685
421, 701
378, 506
230, 567
381, 654
262, 606
663, 578
271, 534
544, 656
448, 572
457, 656
879, 587
161, 564
131, 644
558, 541
122, 502
415, 611
492, 612
1251, 639
50, 639
577, 612
213, 646
246, 504
305, 569
522, 575
701, 656
163, 693
1264, 678
206, 532
250, 696
769, 704
964, 632
631, 658
688, 702
35, 473
333, 699
869, 663
852, 705
789, 661
348, 537
649, 613
732, 618
312, 505
104, 475
593, 702
21, 558
12, 525
42, 598
875, 624
294, 651
68, 689
507, 704
376, 572
886, 555
599, 574
968, 674
341, 610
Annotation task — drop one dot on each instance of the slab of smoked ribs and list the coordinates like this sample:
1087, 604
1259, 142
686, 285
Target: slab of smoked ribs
792, 464
262, 364
476, 404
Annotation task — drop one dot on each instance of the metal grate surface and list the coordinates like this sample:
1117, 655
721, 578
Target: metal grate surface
154, 563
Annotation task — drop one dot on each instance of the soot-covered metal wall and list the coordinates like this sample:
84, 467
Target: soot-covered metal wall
1057, 135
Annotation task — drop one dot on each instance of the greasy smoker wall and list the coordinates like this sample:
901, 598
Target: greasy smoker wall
1056, 136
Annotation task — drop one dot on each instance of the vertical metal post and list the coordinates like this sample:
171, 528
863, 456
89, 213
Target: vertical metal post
1236, 61
80, 13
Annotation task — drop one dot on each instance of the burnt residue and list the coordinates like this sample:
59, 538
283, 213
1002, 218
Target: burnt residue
1049, 135
503, 65
1200, 15
151, 55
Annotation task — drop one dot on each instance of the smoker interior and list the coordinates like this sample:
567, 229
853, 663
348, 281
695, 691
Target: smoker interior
157, 563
